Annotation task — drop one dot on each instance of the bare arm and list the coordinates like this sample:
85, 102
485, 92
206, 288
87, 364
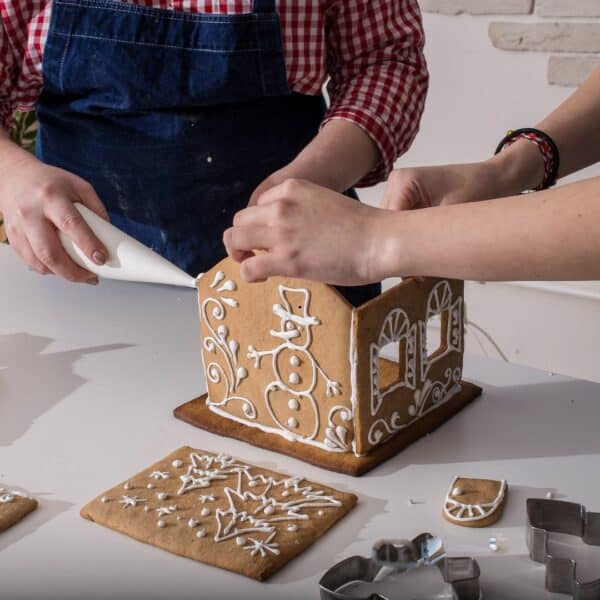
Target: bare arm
575, 127
552, 235
310, 232
339, 156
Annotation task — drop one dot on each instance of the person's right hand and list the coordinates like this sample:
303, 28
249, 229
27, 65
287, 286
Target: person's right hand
36, 202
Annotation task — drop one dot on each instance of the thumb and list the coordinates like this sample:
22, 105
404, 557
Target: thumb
401, 192
88, 197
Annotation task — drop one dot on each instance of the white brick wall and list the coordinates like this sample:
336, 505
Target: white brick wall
567, 29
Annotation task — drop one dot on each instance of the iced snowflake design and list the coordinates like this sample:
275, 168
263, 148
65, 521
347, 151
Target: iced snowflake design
166, 510
130, 501
262, 547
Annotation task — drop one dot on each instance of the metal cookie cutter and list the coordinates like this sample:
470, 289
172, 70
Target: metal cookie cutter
392, 558
546, 517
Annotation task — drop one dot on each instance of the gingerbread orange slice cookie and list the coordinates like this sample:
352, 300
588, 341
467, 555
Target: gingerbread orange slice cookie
14, 506
221, 511
475, 502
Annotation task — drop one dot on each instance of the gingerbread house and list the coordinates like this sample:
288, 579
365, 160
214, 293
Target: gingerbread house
290, 365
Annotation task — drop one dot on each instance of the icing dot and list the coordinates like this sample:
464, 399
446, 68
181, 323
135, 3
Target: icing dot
205, 512
269, 510
285, 493
127, 486
146, 509
253, 484
292, 423
240, 540
294, 361
192, 523
150, 486
104, 499
177, 463
412, 411
294, 378
292, 527
162, 495
289, 325
321, 513
457, 491
179, 517
293, 404
200, 533
161, 524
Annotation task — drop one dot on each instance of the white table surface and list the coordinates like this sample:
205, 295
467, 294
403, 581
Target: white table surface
89, 377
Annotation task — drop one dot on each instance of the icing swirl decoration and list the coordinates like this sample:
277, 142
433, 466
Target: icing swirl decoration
213, 312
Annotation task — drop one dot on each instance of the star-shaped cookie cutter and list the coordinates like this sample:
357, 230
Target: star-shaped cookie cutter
547, 517
390, 558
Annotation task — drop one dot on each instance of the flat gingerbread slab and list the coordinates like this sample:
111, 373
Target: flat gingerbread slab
221, 511
14, 506
197, 413
475, 502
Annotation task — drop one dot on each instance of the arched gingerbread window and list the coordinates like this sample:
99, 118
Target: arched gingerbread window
387, 375
440, 307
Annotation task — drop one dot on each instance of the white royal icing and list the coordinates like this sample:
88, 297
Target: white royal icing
177, 463
294, 336
162, 495
161, 523
397, 328
130, 501
464, 512
159, 475
250, 518
166, 510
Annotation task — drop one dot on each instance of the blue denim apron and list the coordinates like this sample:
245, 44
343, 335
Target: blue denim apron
173, 117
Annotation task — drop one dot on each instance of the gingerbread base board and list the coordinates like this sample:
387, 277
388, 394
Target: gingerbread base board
195, 412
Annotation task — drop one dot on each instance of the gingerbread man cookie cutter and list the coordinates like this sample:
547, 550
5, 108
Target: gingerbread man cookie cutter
548, 517
392, 558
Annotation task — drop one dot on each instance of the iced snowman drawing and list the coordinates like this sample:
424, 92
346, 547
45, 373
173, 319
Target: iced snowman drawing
289, 397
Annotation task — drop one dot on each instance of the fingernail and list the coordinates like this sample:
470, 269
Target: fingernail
98, 257
92, 281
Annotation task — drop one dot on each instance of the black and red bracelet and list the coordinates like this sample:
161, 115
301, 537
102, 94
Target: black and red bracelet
547, 148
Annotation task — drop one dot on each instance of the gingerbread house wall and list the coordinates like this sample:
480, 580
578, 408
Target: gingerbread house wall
390, 397
298, 388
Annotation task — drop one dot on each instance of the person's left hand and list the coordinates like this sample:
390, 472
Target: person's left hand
307, 231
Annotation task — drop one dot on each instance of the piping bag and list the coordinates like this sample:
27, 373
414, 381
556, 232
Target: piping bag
128, 260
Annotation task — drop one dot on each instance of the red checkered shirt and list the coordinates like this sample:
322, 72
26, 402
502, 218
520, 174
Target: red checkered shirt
371, 51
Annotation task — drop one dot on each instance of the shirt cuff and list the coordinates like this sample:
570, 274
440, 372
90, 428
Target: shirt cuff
373, 126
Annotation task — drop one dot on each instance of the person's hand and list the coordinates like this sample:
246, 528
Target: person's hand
36, 201
424, 187
300, 229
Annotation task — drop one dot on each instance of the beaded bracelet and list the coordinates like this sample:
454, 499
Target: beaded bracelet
547, 148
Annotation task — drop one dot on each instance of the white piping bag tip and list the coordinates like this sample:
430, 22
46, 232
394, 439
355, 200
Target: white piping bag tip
129, 260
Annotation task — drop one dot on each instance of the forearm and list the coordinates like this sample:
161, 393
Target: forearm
552, 235
574, 126
339, 156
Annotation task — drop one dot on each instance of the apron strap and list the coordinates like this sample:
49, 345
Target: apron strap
264, 6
